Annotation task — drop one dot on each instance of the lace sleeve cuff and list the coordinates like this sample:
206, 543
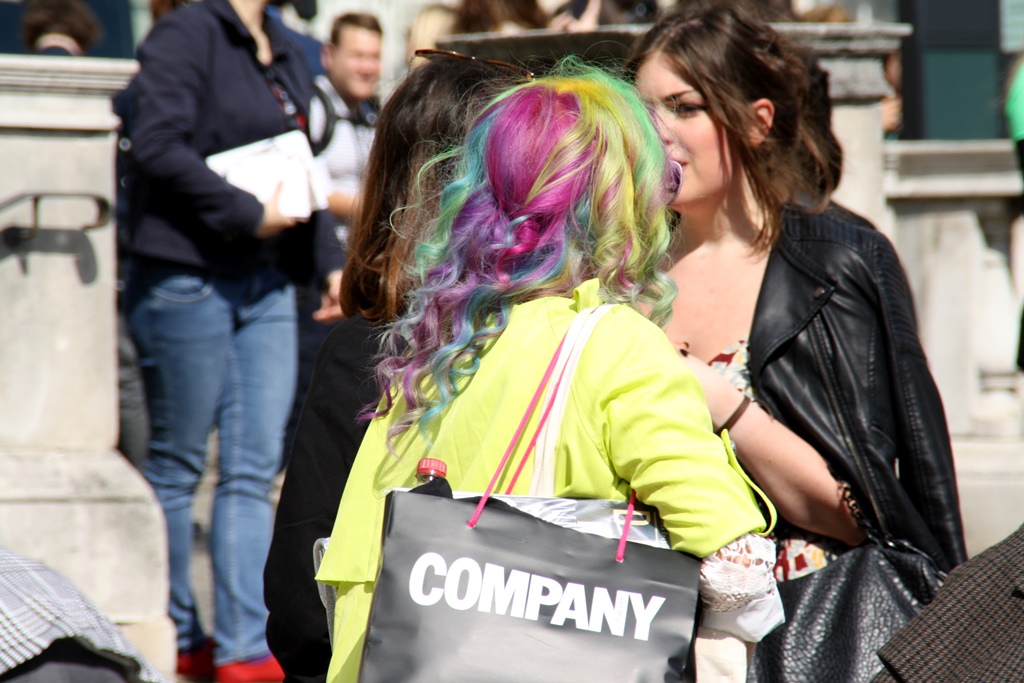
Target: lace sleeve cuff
737, 586
738, 573
752, 622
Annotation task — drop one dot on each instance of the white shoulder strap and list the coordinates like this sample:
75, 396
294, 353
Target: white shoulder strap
543, 481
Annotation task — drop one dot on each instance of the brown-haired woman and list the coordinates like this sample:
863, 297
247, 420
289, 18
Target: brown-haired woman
805, 311
425, 115
59, 27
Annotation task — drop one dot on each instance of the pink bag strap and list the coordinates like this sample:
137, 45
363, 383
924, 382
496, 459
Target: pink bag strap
537, 394
620, 554
518, 433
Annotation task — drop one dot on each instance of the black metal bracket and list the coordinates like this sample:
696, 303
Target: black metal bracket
19, 241
21, 233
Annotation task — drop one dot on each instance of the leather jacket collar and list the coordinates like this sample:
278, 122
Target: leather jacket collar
793, 291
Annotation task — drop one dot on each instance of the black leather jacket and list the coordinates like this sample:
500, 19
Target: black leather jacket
835, 356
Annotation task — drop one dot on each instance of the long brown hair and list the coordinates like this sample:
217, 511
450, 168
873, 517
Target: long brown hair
733, 60
479, 16
426, 115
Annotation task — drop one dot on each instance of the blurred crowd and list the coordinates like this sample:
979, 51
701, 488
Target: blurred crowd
278, 331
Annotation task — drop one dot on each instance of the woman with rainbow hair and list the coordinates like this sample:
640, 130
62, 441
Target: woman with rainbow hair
557, 204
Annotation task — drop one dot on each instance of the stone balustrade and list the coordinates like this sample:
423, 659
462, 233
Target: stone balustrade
955, 208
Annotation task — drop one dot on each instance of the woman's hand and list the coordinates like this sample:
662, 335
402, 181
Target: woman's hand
343, 206
330, 300
274, 222
793, 475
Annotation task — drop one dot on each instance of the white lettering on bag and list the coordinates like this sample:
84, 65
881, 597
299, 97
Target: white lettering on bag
573, 606
644, 613
543, 591
602, 609
463, 566
418, 579
504, 593
523, 594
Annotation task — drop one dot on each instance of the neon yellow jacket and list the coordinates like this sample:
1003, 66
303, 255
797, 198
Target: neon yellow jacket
636, 417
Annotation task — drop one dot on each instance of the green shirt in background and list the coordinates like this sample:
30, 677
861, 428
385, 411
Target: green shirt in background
1014, 107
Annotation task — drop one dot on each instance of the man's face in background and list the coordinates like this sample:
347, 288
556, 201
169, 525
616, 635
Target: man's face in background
353, 65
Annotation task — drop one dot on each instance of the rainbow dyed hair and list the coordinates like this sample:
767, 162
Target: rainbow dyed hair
560, 180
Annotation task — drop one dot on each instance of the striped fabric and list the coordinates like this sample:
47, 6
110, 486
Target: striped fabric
973, 632
347, 153
39, 606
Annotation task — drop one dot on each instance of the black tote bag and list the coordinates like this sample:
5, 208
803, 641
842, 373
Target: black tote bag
838, 617
517, 599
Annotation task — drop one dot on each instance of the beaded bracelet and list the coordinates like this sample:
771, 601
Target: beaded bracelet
846, 495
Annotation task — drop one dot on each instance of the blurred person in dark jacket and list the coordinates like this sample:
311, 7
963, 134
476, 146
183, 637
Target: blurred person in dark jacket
210, 303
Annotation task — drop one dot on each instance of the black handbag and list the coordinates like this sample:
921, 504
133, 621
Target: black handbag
838, 617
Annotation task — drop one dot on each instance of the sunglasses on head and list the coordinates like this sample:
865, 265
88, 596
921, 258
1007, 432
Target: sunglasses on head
430, 53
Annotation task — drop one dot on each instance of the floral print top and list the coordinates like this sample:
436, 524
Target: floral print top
800, 552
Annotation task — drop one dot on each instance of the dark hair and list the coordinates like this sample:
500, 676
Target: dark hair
357, 20
835, 14
732, 60
425, 115
71, 18
819, 118
480, 16
158, 8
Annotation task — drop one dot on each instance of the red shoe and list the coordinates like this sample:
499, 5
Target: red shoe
264, 670
197, 665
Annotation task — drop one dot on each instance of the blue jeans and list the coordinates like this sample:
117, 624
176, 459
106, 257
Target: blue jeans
216, 352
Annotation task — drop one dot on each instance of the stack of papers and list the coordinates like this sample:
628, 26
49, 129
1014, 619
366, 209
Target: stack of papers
285, 160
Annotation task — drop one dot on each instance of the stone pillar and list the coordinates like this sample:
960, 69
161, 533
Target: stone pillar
946, 251
67, 497
957, 231
852, 55
955, 204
